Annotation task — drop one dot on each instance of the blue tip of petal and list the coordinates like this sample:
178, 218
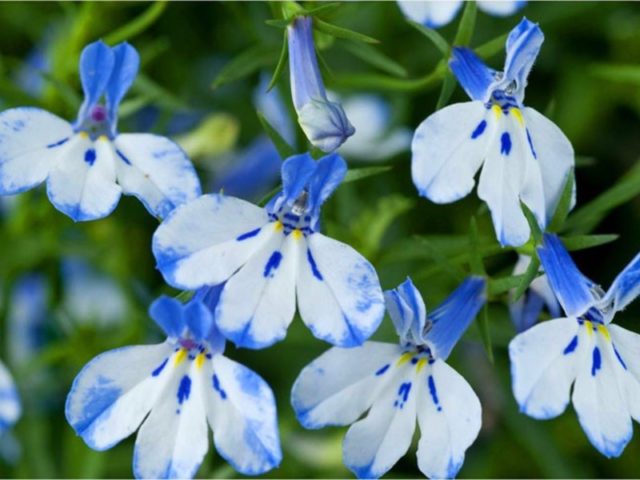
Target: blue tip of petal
474, 76
167, 312
96, 64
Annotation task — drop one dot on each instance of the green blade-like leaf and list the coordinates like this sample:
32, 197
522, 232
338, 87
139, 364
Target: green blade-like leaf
284, 53
492, 47
467, 25
374, 57
355, 174
438, 40
485, 334
278, 23
498, 286
284, 149
617, 73
248, 62
536, 233
138, 24
564, 204
582, 242
529, 276
324, 8
341, 32
475, 258
440, 258
448, 86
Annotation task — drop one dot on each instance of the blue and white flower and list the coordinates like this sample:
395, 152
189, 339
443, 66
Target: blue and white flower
87, 164
323, 121
374, 138
438, 13
584, 349
10, 408
524, 156
269, 256
171, 391
526, 310
396, 384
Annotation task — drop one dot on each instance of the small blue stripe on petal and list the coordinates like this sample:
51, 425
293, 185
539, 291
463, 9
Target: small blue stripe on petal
314, 267
619, 357
479, 129
123, 158
218, 388
246, 235
184, 389
58, 143
505, 143
572, 346
597, 362
434, 392
272, 264
90, 156
382, 370
533, 150
160, 367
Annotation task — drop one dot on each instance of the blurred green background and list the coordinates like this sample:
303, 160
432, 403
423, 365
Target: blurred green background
586, 78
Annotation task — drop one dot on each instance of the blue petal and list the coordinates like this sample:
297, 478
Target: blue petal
328, 175
474, 76
523, 45
199, 319
626, 286
296, 173
96, 64
571, 287
209, 296
167, 312
453, 316
407, 311
306, 82
125, 69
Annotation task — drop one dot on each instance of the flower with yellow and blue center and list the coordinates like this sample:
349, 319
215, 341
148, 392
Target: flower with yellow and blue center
269, 256
87, 165
524, 156
170, 392
438, 13
398, 383
584, 349
10, 408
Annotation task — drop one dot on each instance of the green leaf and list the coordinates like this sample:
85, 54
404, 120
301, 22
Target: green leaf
564, 204
485, 334
438, 40
281, 63
616, 73
475, 258
498, 286
529, 276
590, 215
284, 149
581, 242
467, 24
138, 24
323, 8
375, 58
492, 47
278, 23
448, 86
355, 174
248, 62
440, 258
341, 32
150, 89
536, 233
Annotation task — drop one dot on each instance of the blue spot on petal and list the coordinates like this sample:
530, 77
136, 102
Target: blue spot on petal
272, 264
572, 346
479, 129
619, 357
250, 234
90, 156
533, 150
218, 388
382, 370
123, 158
505, 143
184, 389
597, 362
434, 392
160, 367
403, 394
314, 267
58, 143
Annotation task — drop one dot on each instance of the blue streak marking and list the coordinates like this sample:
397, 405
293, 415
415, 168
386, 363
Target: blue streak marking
533, 150
58, 143
615, 350
572, 346
479, 129
218, 388
434, 392
90, 156
382, 370
505, 143
597, 362
404, 390
184, 389
123, 158
160, 367
246, 235
314, 267
272, 264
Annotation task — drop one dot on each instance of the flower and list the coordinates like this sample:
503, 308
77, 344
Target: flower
396, 384
178, 386
10, 408
526, 310
323, 121
583, 349
526, 157
437, 13
88, 164
374, 139
268, 256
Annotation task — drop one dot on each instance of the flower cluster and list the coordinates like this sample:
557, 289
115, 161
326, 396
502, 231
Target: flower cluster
249, 269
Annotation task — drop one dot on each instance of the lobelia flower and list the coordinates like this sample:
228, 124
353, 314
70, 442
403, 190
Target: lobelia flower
178, 386
584, 349
523, 155
88, 164
396, 384
323, 121
438, 13
10, 408
526, 310
269, 256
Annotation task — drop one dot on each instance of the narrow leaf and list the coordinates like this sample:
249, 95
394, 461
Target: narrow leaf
442, 261
284, 53
438, 40
485, 334
341, 32
324, 8
284, 149
475, 258
529, 276
536, 233
448, 86
278, 23
467, 25
138, 24
564, 204
582, 242
248, 62
498, 286
355, 174
375, 58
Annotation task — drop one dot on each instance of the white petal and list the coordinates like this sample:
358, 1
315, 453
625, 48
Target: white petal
628, 345
339, 294
327, 393
554, 155
500, 8
373, 445
206, 240
243, 417
173, 439
450, 416
9, 401
258, 303
448, 149
29, 145
600, 400
511, 174
432, 14
156, 170
544, 364
82, 184
114, 392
